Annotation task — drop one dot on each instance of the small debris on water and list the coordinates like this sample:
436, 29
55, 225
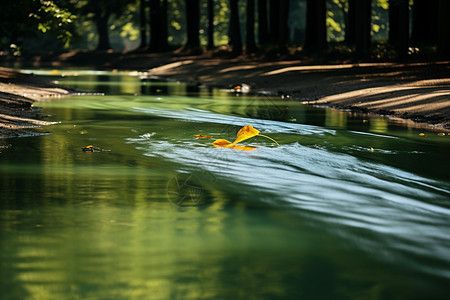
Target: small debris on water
91, 148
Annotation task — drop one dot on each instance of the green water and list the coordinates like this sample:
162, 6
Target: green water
348, 207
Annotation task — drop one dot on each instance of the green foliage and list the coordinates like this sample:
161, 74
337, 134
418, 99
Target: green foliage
380, 20
336, 15
51, 17
25, 19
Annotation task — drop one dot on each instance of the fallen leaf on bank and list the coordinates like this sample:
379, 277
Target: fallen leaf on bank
203, 136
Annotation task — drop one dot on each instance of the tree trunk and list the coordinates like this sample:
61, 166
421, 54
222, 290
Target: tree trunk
235, 30
316, 30
101, 21
192, 24
350, 28
263, 32
444, 29
425, 22
143, 23
210, 24
399, 26
164, 38
274, 25
250, 32
155, 23
363, 11
283, 26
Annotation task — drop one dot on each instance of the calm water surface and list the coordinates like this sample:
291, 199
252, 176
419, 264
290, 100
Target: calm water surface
347, 207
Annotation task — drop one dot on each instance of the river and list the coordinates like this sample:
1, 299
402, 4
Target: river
347, 207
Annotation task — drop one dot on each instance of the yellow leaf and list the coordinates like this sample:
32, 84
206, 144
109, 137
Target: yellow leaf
245, 148
222, 143
226, 144
246, 132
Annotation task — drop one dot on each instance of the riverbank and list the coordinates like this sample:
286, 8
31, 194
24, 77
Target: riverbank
18, 92
417, 94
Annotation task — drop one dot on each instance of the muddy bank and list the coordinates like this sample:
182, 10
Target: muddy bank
18, 92
417, 92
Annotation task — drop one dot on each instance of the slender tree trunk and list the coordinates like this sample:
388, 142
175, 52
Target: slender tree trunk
143, 23
192, 24
263, 32
444, 29
363, 16
274, 27
250, 32
101, 22
350, 28
283, 26
155, 26
210, 24
399, 25
164, 39
316, 30
235, 41
425, 22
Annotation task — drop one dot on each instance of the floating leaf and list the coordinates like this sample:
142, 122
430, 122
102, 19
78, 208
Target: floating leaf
246, 132
222, 143
226, 144
245, 148
203, 136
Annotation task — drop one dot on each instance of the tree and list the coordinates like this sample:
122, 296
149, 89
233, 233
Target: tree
143, 23
100, 11
158, 26
350, 28
250, 32
425, 22
210, 24
263, 32
362, 19
316, 30
274, 17
192, 25
20, 19
444, 29
235, 41
399, 25
283, 27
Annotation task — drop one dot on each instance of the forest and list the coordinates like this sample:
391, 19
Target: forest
359, 28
